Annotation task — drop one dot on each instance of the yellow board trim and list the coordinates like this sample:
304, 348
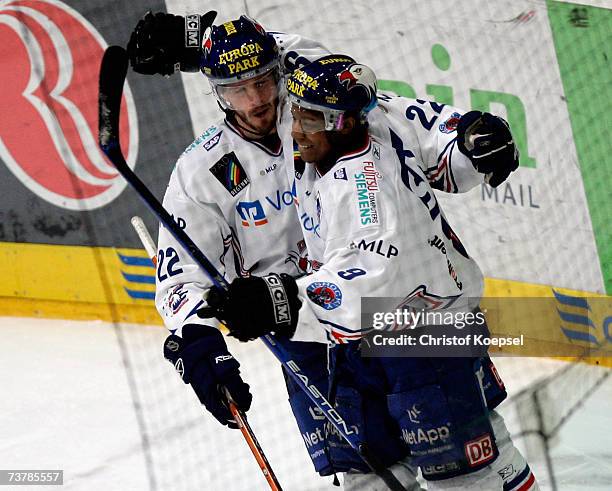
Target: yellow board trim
52, 309
74, 282
93, 283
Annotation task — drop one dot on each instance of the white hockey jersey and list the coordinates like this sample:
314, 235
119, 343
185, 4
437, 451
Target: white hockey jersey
379, 231
233, 199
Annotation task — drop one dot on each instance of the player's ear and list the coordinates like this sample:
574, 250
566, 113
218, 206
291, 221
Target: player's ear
348, 125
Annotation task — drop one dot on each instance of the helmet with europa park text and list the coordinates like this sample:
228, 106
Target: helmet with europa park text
334, 85
237, 51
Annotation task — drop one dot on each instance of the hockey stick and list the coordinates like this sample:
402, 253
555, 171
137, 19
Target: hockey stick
145, 238
239, 416
112, 76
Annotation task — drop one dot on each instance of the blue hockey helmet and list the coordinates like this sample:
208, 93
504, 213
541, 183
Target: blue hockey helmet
236, 51
334, 85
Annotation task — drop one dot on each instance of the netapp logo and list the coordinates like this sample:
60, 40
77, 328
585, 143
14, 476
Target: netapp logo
421, 436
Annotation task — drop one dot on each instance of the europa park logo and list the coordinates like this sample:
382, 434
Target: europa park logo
48, 132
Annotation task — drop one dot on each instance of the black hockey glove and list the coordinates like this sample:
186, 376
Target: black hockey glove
202, 360
487, 141
163, 43
256, 306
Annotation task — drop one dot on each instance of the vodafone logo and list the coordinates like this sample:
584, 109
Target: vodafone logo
49, 104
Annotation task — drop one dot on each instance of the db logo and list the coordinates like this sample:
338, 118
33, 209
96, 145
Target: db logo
48, 130
480, 450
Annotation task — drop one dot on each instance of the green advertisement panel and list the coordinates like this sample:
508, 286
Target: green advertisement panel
583, 39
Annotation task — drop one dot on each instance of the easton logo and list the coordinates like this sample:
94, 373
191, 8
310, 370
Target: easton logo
48, 134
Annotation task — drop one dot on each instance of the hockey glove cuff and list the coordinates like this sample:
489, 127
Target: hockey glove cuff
202, 360
487, 141
256, 306
163, 43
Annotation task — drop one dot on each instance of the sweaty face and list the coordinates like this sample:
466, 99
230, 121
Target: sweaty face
308, 131
254, 102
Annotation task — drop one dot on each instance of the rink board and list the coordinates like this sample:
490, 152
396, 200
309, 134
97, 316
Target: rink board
118, 285
540, 65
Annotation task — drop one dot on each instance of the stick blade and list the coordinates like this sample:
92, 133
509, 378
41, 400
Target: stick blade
113, 71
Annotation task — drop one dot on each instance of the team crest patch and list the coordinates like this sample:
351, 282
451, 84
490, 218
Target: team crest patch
176, 298
451, 123
325, 294
230, 173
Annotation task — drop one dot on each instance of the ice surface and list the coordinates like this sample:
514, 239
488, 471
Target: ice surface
74, 399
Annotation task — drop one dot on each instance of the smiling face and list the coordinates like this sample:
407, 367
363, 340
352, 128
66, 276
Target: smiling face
254, 102
308, 131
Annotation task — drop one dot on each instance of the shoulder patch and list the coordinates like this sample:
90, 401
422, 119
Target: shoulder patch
207, 134
213, 141
450, 124
229, 172
325, 294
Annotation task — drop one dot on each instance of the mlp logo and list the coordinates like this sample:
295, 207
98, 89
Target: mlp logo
48, 134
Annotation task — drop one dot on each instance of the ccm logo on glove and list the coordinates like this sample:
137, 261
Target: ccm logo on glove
279, 299
255, 306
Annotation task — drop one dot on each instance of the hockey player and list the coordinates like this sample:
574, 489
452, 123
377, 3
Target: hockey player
374, 185
231, 192
230, 210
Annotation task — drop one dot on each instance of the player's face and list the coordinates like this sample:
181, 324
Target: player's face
308, 131
254, 102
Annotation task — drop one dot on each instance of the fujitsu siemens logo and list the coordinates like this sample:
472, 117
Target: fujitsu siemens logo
48, 134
